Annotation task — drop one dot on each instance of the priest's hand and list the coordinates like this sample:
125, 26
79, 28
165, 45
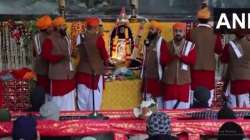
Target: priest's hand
177, 52
110, 62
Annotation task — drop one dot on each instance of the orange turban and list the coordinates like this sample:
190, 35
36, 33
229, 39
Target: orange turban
43, 22
180, 26
92, 21
156, 24
58, 21
203, 13
29, 76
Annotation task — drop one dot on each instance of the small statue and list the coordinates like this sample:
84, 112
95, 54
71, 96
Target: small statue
122, 42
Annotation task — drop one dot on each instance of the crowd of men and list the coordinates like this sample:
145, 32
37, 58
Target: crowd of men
171, 71
54, 66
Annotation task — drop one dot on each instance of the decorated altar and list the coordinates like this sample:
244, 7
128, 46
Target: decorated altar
124, 37
121, 91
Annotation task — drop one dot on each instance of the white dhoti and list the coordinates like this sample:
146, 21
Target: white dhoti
234, 101
241, 101
85, 99
48, 97
172, 104
159, 100
66, 102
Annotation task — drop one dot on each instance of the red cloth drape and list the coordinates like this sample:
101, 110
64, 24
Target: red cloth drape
1, 93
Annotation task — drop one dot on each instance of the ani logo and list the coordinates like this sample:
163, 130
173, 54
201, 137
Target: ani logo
227, 20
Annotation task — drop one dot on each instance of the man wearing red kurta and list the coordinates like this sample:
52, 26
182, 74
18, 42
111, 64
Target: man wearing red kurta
207, 44
57, 51
90, 72
44, 24
154, 54
237, 55
177, 75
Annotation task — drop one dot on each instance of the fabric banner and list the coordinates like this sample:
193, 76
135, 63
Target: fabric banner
122, 123
121, 128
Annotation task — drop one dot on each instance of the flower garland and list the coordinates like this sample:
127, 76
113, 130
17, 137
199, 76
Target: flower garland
15, 44
76, 28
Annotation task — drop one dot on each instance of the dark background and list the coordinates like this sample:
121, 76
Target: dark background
162, 9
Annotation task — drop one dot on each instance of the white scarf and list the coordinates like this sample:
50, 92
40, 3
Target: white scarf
37, 44
69, 51
236, 48
186, 50
188, 46
204, 25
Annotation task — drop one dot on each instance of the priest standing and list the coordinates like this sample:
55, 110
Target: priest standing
155, 53
177, 75
237, 55
93, 56
207, 44
57, 51
44, 24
